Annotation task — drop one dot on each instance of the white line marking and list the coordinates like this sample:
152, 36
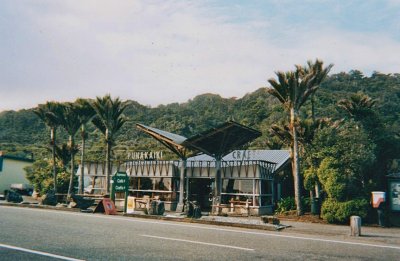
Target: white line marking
198, 242
118, 218
39, 252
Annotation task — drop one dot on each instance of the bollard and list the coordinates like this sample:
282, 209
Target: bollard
355, 226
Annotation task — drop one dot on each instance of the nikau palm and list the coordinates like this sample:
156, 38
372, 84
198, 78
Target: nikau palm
359, 105
71, 124
50, 114
109, 120
85, 113
292, 89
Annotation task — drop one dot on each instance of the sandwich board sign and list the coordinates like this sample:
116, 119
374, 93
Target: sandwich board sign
106, 206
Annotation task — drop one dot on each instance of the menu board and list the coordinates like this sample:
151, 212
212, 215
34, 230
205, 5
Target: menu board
394, 188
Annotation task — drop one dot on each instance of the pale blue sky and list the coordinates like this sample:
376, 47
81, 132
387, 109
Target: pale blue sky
160, 51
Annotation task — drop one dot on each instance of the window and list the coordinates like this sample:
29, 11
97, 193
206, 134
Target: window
163, 188
255, 192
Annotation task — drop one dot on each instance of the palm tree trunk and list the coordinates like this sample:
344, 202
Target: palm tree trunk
296, 163
71, 178
81, 178
108, 156
53, 151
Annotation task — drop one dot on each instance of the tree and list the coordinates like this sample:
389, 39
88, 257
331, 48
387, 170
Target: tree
50, 114
358, 106
40, 176
108, 119
342, 155
292, 89
71, 124
85, 113
362, 109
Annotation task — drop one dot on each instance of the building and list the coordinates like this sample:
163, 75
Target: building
12, 172
248, 180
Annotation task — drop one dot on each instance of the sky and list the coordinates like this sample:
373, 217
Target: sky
161, 51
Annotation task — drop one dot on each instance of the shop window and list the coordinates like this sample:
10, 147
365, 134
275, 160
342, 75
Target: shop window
266, 186
241, 186
161, 188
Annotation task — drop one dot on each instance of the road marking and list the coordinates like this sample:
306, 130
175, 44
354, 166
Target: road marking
39, 252
199, 242
216, 228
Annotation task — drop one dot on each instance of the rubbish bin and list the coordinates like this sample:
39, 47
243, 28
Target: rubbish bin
156, 207
193, 209
315, 208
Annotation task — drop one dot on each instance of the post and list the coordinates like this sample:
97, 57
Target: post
218, 187
179, 208
355, 226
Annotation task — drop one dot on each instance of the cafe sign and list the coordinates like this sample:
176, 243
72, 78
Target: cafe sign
120, 183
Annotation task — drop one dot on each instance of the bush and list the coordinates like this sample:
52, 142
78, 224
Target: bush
289, 204
285, 204
40, 175
339, 212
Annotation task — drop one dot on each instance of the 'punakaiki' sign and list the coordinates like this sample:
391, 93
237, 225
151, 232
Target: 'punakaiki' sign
145, 155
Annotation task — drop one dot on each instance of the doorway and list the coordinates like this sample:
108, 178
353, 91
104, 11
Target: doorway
200, 190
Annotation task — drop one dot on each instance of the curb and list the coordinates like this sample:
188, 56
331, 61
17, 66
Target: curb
265, 227
210, 222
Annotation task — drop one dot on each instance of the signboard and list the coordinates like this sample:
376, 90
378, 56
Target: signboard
131, 205
377, 198
394, 190
120, 183
106, 206
145, 155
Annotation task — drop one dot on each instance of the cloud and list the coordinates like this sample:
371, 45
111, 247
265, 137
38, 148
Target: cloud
166, 51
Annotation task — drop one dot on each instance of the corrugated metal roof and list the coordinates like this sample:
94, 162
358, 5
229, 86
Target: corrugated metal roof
280, 157
221, 140
178, 139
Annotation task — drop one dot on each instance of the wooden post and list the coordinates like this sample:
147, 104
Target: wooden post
355, 226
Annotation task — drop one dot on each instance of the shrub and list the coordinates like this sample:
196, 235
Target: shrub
285, 204
289, 204
339, 212
40, 175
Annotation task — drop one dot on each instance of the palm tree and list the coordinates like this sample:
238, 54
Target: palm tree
358, 106
292, 89
85, 114
71, 124
50, 114
109, 120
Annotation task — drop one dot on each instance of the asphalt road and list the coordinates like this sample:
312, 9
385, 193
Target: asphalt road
35, 234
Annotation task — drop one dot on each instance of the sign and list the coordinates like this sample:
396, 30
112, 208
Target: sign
394, 190
145, 155
131, 205
377, 198
106, 206
120, 183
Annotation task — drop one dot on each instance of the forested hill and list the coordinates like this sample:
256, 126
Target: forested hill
22, 131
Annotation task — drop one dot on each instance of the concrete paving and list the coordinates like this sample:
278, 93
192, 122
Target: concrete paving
369, 234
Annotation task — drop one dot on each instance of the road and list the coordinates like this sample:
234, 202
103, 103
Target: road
36, 234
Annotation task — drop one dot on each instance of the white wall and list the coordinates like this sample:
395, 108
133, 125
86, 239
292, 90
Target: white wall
13, 172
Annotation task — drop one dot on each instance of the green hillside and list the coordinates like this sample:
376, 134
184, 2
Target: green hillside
21, 131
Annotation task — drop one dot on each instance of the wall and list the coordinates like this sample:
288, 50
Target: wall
13, 172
